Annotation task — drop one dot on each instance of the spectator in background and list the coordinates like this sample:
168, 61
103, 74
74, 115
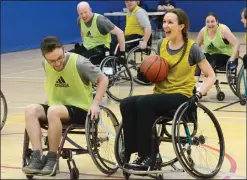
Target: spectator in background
143, 5
163, 5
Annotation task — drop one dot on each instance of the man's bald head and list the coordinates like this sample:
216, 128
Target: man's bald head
83, 5
84, 10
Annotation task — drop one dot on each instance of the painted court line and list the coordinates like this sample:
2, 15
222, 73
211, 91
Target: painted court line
20, 72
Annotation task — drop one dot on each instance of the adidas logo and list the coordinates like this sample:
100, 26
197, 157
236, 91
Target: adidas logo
89, 34
211, 46
61, 82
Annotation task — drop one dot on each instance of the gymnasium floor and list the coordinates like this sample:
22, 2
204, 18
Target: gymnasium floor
22, 83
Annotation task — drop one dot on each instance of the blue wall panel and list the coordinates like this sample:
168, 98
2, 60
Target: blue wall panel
25, 23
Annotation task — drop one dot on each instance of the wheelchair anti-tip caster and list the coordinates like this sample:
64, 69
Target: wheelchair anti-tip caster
159, 177
243, 102
74, 174
29, 177
126, 175
220, 96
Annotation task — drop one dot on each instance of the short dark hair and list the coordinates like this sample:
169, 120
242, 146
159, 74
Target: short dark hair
212, 14
50, 43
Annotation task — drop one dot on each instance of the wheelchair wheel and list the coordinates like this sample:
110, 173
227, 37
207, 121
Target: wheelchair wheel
134, 60
100, 136
120, 79
232, 76
26, 153
119, 145
4, 110
242, 86
186, 147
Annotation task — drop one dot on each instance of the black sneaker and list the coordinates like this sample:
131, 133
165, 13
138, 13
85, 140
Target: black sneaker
147, 162
138, 160
37, 162
51, 159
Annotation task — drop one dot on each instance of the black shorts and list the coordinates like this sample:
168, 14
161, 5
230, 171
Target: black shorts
77, 115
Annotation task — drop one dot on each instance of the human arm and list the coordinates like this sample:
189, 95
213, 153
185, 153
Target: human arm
144, 22
199, 39
91, 73
105, 26
231, 38
197, 57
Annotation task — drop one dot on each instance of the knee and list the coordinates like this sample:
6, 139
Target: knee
144, 102
126, 103
32, 111
53, 113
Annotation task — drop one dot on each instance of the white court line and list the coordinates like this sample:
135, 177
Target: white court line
34, 78
20, 72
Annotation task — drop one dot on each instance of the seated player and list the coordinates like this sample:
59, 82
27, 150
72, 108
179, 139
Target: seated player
96, 33
140, 112
220, 44
68, 86
244, 21
137, 26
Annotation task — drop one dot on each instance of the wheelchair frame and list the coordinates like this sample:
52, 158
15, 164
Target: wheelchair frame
93, 142
177, 140
231, 77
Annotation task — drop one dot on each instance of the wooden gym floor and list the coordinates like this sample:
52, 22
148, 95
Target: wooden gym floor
22, 83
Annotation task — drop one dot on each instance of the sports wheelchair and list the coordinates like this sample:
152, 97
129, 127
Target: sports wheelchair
242, 85
135, 57
120, 79
231, 76
182, 128
98, 133
4, 110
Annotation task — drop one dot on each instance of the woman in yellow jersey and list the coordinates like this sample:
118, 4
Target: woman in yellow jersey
68, 87
220, 44
137, 25
139, 112
244, 21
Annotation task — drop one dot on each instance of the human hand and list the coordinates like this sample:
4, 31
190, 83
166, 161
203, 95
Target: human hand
122, 58
194, 99
232, 65
143, 44
94, 111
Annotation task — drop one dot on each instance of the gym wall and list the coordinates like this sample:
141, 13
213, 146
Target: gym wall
25, 23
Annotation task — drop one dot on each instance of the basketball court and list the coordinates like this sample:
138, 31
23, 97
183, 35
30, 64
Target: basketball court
22, 83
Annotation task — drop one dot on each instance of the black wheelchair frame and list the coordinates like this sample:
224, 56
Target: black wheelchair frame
90, 130
181, 144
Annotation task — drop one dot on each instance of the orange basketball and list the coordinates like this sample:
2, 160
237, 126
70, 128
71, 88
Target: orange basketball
154, 68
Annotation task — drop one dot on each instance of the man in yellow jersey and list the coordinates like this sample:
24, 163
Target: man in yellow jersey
244, 21
68, 87
137, 25
96, 33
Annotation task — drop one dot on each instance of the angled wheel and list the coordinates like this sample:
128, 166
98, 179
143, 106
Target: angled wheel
4, 110
201, 155
120, 79
242, 86
134, 60
232, 78
119, 145
100, 137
